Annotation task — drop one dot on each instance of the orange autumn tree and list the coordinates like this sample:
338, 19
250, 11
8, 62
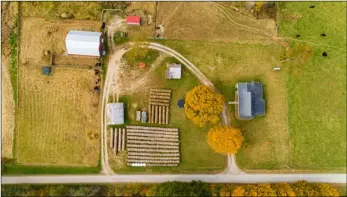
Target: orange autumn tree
203, 105
225, 140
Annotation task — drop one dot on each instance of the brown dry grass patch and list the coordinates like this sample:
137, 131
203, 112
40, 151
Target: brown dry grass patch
80, 10
56, 114
7, 114
35, 37
9, 12
205, 21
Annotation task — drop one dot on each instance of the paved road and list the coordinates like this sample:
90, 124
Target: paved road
232, 174
221, 178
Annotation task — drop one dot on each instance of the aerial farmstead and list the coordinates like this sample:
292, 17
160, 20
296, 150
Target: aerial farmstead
209, 88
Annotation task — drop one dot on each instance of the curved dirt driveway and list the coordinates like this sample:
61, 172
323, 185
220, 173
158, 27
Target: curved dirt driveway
225, 177
114, 62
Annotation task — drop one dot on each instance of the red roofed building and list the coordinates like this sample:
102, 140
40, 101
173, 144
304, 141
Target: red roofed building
133, 20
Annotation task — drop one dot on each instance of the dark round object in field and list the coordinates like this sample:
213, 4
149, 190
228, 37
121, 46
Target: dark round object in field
312, 6
103, 25
324, 54
297, 36
180, 103
323, 34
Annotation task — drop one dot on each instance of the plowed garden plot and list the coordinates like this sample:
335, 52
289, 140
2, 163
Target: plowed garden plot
57, 115
38, 35
213, 22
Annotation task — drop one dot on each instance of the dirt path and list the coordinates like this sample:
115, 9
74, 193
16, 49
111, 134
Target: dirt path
265, 34
112, 68
7, 113
171, 14
132, 87
9, 13
109, 84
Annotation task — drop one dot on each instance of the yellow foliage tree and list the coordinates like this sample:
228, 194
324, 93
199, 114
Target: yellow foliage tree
239, 191
303, 188
227, 190
225, 139
283, 189
327, 190
203, 105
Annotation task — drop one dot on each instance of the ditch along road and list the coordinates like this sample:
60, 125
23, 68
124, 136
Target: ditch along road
232, 174
111, 77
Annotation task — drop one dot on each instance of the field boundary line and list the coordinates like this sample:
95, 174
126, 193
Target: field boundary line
18, 48
273, 37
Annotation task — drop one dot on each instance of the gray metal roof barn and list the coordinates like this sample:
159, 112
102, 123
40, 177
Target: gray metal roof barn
115, 113
84, 43
250, 100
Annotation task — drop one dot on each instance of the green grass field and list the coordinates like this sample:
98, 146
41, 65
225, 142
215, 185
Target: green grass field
267, 140
196, 155
11, 168
317, 88
304, 126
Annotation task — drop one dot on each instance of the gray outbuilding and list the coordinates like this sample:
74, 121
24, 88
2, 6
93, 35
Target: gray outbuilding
174, 71
250, 101
115, 113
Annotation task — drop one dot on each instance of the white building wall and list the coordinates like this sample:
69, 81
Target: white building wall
83, 43
115, 113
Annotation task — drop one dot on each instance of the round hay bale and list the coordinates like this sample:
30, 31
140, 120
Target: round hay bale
25, 62
46, 52
66, 15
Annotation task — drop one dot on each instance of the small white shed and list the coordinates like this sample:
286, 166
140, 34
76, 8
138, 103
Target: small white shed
174, 71
84, 43
115, 113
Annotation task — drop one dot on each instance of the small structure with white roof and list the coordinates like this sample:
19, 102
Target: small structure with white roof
174, 71
84, 43
115, 113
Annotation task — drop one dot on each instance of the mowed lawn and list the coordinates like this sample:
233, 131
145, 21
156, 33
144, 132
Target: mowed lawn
195, 153
266, 138
317, 88
304, 126
56, 115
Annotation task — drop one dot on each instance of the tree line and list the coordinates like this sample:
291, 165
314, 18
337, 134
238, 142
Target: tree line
194, 188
